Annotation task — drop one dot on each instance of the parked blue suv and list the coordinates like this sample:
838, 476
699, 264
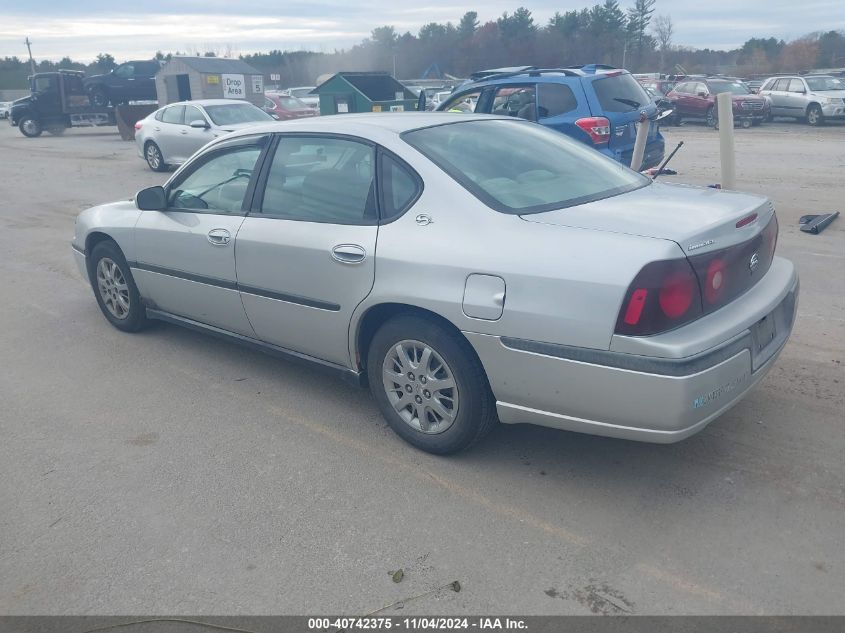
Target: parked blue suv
597, 105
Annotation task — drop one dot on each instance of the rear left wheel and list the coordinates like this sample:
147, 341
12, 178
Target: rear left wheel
429, 385
711, 118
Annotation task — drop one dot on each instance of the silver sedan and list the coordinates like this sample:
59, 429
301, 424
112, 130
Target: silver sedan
172, 134
471, 270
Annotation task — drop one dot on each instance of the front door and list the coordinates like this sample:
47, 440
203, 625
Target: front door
189, 139
306, 252
186, 254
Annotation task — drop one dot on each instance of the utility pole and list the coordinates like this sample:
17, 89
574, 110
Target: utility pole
29, 48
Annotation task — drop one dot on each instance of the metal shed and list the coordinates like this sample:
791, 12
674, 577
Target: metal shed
364, 92
187, 78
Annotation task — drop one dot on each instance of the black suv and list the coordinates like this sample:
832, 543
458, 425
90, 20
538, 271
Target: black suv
132, 81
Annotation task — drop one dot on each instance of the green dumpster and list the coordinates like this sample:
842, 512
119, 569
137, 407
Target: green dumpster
348, 92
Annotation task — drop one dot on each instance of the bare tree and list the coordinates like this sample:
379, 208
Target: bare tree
663, 29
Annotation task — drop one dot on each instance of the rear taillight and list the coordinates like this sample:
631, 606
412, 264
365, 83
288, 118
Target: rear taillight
663, 296
598, 127
667, 294
138, 125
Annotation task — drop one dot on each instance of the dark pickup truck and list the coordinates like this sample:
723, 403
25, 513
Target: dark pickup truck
132, 81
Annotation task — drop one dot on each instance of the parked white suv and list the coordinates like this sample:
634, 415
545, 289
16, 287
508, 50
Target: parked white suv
810, 97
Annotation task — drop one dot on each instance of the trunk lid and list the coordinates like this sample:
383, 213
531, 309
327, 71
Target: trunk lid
698, 219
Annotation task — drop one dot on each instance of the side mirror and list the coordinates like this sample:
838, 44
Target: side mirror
151, 199
702, 93
200, 124
275, 116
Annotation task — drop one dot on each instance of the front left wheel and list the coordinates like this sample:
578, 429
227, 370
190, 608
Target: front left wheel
30, 126
429, 385
815, 116
115, 289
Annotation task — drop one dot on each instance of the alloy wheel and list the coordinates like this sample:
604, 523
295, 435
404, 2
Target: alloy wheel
153, 156
420, 386
113, 289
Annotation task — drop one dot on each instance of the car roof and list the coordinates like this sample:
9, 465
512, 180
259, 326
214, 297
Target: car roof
545, 75
210, 102
366, 124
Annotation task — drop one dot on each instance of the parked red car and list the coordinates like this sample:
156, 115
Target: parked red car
287, 107
696, 99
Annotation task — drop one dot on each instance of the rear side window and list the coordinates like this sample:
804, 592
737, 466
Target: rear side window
555, 99
400, 187
620, 93
173, 114
322, 179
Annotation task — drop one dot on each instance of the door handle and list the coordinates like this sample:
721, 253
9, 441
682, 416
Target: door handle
348, 254
183, 131
219, 237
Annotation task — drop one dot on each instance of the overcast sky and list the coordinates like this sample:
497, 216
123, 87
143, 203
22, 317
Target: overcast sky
84, 28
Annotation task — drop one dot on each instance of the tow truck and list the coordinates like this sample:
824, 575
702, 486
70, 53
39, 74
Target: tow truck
57, 101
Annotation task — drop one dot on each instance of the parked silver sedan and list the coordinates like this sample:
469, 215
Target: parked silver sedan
172, 134
470, 269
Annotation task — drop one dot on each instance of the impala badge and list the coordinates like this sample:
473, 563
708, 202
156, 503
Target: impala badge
754, 262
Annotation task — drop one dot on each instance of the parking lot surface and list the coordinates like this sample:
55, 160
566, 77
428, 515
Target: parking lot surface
167, 472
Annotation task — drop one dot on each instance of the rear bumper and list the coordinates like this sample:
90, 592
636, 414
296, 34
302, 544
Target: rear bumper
625, 395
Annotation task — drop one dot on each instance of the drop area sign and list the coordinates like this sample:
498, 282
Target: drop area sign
234, 86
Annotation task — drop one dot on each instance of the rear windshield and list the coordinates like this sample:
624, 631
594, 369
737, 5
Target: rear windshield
825, 83
620, 93
236, 113
517, 167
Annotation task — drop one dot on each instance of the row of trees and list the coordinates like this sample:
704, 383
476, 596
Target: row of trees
634, 37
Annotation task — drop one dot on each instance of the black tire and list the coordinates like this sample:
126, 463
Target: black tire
815, 117
136, 316
711, 118
97, 96
30, 126
745, 123
769, 118
56, 130
154, 157
476, 410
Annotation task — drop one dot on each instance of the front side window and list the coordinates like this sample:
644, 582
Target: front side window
219, 184
734, 87
781, 85
44, 84
516, 101
124, 70
193, 114
322, 179
232, 114
796, 85
464, 103
173, 114
517, 168
555, 99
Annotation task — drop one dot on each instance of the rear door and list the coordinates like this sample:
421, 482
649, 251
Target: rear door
167, 134
186, 254
306, 252
558, 107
